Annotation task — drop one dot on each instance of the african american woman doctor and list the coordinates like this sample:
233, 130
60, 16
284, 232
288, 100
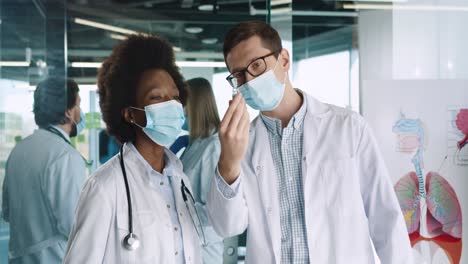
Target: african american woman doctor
138, 206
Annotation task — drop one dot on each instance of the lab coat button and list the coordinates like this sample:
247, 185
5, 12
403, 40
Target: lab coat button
176, 253
176, 229
230, 251
168, 206
161, 183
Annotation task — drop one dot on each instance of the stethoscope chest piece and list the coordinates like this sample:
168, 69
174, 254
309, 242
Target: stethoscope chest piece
131, 242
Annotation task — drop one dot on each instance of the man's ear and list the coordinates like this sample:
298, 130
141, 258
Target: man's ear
285, 59
69, 114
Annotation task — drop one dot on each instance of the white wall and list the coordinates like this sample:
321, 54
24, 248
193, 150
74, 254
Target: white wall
375, 45
413, 44
326, 77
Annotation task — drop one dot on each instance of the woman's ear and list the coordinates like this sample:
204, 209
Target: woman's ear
127, 114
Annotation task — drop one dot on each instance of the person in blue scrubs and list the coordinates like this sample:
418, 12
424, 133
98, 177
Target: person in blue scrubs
201, 156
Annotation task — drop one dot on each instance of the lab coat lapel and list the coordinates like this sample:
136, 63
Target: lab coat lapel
263, 166
314, 124
176, 188
183, 214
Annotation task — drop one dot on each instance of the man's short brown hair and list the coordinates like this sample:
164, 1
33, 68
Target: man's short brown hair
245, 30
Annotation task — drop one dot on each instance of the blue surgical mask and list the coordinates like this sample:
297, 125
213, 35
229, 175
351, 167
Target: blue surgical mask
263, 93
81, 125
163, 122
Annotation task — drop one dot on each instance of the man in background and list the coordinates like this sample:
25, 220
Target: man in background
44, 176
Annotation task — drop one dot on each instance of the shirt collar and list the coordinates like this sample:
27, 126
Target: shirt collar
274, 125
64, 134
169, 167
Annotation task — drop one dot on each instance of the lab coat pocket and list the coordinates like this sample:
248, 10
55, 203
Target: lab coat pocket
145, 227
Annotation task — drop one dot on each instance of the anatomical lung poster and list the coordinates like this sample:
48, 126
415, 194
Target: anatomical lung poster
422, 130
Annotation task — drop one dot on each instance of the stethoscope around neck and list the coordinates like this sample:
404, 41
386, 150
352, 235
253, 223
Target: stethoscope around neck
131, 241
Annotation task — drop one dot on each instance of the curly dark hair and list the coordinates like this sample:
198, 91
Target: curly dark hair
119, 75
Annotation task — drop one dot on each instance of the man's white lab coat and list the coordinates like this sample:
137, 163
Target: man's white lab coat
44, 177
348, 195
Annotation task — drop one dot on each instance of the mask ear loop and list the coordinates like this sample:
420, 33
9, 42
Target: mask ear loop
284, 80
277, 60
71, 118
133, 121
285, 73
74, 122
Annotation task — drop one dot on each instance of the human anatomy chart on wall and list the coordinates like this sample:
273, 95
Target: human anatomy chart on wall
429, 203
421, 128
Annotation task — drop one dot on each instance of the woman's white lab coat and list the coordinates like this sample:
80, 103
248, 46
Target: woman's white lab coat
349, 198
101, 220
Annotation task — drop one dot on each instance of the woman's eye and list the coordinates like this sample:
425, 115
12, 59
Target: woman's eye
176, 97
156, 97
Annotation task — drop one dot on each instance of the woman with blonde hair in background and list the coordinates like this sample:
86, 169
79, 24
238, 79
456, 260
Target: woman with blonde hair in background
201, 156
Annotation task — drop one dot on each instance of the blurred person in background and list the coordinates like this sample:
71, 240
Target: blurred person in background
44, 177
201, 156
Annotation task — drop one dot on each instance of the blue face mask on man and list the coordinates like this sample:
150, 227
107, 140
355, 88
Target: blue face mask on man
163, 122
80, 126
265, 92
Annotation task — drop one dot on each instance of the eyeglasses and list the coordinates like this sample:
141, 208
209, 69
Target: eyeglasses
256, 68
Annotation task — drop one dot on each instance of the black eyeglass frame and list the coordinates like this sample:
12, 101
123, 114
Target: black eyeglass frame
246, 69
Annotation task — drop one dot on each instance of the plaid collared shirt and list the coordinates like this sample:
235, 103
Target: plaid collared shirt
286, 150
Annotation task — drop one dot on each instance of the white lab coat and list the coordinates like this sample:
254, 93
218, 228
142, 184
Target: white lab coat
349, 198
101, 220
44, 177
200, 159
